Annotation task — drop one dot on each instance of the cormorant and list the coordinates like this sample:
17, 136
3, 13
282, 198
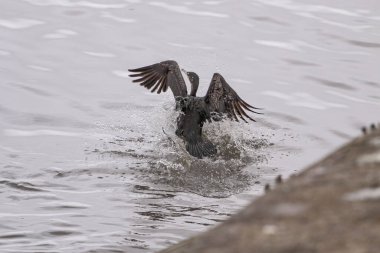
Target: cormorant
220, 99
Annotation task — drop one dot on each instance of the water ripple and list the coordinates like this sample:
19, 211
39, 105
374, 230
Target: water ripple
29, 88
40, 68
44, 196
68, 3
65, 232
19, 23
16, 235
3, 215
269, 20
364, 43
334, 23
212, 2
290, 5
301, 63
118, 19
4, 53
42, 132
304, 100
56, 205
60, 34
338, 94
329, 83
296, 45
186, 10
197, 46
99, 54
24, 186
86, 167
121, 73
279, 44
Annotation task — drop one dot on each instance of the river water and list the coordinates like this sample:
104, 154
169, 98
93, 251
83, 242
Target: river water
84, 163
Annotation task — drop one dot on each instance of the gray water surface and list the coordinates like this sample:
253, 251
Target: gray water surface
84, 163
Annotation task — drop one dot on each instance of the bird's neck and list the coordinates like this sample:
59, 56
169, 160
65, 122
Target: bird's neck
194, 88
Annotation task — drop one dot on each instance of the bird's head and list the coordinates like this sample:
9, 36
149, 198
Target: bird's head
193, 77
194, 80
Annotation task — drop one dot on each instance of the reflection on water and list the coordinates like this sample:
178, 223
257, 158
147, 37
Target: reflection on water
84, 163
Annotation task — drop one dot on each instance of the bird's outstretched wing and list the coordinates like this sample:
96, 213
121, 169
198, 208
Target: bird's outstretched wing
221, 98
160, 76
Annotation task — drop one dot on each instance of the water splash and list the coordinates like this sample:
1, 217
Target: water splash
161, 157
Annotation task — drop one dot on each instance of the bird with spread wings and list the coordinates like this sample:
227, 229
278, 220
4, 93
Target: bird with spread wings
219, 100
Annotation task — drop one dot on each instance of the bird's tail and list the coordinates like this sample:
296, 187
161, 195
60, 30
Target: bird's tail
200, 149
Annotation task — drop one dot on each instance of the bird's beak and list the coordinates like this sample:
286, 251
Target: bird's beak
184, 71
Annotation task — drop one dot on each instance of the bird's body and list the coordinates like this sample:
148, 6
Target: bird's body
195, 111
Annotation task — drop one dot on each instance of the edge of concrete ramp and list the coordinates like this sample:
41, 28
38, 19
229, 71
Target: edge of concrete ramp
332, 206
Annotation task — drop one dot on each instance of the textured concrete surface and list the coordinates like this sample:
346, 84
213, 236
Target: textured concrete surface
332, 206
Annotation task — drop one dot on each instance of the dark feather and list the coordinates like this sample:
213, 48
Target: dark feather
158, 77
221, 98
